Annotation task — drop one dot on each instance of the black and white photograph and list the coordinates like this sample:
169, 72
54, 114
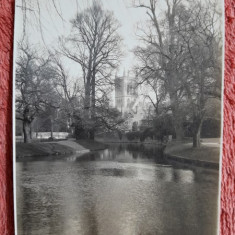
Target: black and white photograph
117, 116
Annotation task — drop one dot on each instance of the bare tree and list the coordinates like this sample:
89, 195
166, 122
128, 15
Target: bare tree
32, 14
201, 71
67, 88
159, 59
95, 45
182, 50
33, 86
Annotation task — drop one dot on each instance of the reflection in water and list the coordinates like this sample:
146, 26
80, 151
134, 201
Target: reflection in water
122, 190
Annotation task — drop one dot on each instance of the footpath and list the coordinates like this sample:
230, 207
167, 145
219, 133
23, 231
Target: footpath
208, 155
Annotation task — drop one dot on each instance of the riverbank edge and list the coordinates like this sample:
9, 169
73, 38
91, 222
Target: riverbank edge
194, 162
44, 149
170, 155
24, 150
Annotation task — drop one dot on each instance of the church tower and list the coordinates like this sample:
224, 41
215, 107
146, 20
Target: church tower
126, 92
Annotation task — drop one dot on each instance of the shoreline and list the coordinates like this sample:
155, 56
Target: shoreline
193, 162
56, 148
182, 152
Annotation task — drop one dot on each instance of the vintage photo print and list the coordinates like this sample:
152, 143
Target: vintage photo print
117, 116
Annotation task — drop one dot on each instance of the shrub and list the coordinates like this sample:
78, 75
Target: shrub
79, 132
134, 127
210, 128
133, 135
147, 133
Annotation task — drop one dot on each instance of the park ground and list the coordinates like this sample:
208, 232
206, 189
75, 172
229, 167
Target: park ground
208, 153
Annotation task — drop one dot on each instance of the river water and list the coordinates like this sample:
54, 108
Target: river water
123, 190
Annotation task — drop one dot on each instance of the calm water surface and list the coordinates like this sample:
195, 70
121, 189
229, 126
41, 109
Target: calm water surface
122, 190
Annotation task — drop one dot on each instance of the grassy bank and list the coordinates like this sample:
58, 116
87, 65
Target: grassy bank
92, 145
41, 149
185, 150
37, 149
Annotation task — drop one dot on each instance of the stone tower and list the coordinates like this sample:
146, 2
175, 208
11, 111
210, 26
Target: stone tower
126, 93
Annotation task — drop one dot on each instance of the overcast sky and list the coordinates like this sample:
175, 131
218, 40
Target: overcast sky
55, 21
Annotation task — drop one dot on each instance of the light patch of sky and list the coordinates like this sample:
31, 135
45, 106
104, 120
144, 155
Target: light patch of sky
55, 21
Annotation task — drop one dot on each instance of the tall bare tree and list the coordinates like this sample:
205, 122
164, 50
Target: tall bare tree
201, 71
159, 59
95, 45
182, 49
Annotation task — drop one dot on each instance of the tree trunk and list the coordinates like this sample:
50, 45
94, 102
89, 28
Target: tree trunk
87, 104
27, 120
87, 99
196, 139
52, 127
31, 131
37, 129
26, 131
177, 120
197, 124
93, 98
176, 112
92, 131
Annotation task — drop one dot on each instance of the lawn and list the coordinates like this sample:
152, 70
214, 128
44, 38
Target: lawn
185, 150
41, 149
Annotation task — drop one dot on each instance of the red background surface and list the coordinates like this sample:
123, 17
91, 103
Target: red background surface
227, 215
